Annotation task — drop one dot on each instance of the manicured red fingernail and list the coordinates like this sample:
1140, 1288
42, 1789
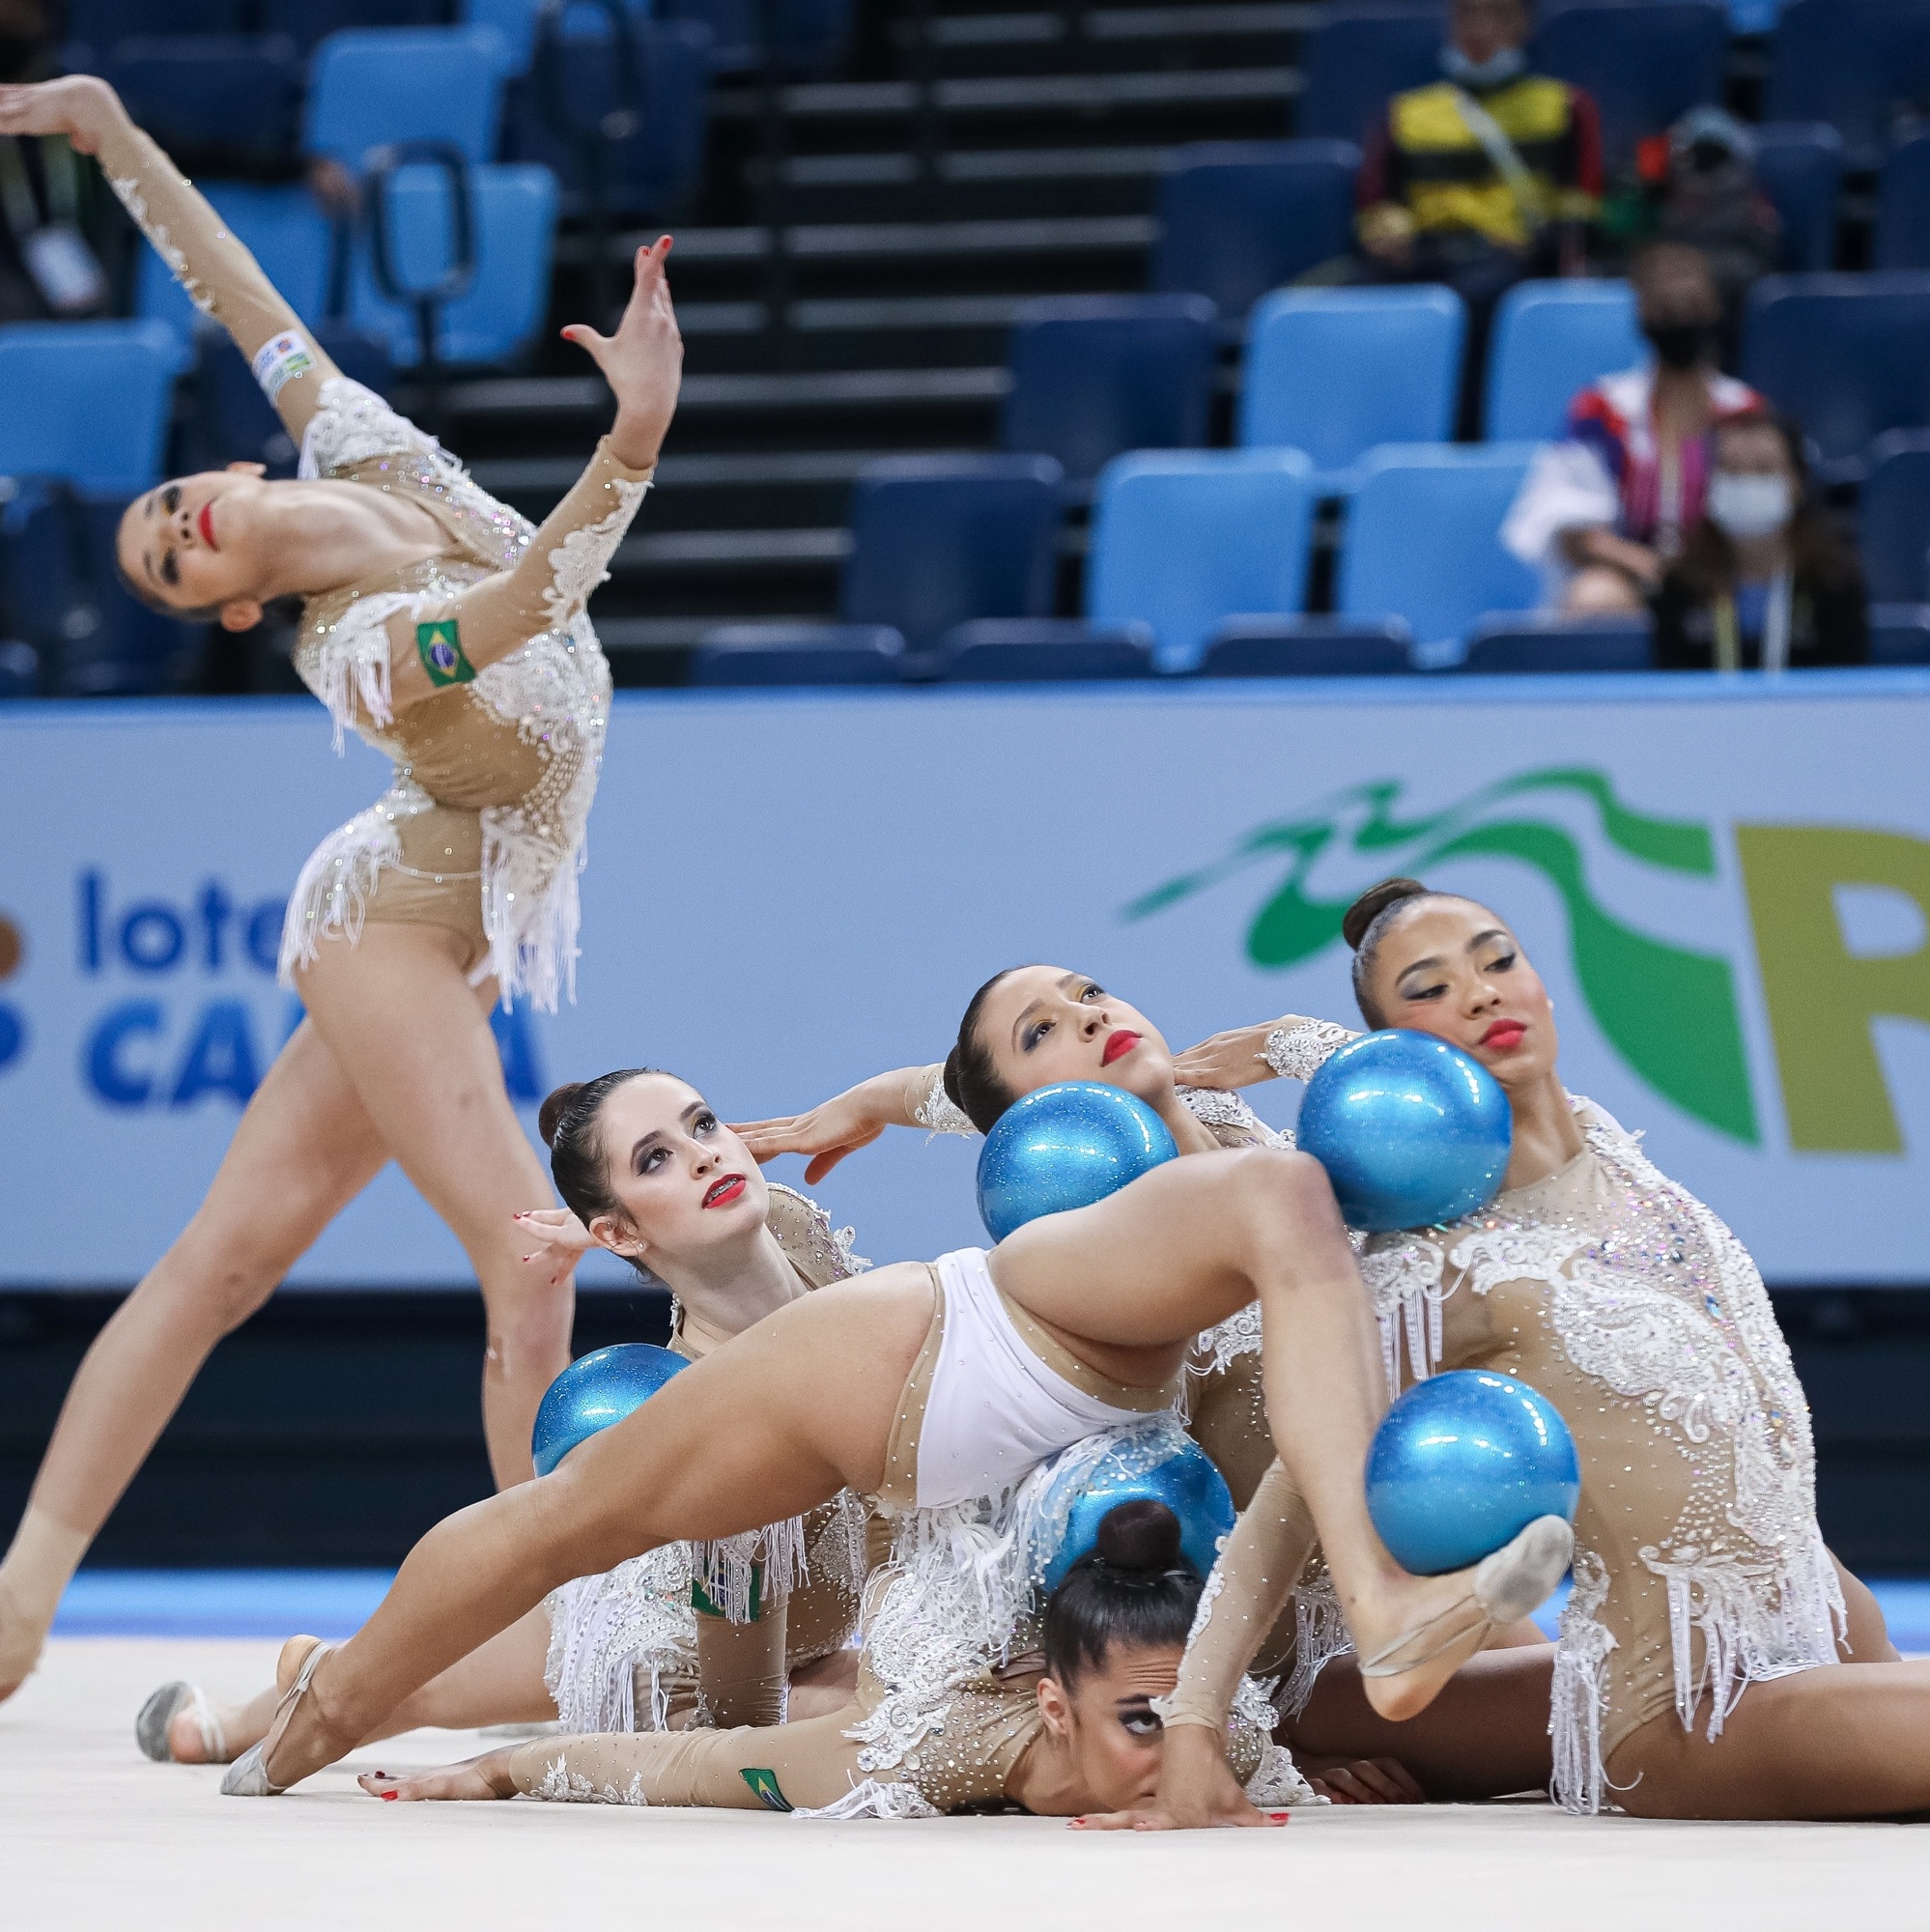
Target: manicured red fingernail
1280, 1817
385, 1796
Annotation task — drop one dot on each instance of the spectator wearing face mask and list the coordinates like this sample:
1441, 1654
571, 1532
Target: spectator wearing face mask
1763, 582
1603, 512
1483, 177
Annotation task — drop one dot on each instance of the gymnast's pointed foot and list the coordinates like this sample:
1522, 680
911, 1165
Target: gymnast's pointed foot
178, 1724
1457, 1611
299, 1741
485, 1777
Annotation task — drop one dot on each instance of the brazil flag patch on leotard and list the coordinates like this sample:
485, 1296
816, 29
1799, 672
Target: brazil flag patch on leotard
765, 1784
439, 646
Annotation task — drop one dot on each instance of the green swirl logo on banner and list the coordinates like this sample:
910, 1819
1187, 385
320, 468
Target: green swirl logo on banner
1669, 1011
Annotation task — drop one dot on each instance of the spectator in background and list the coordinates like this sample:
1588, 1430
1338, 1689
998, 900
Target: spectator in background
1485, 177
1602, 513
1764, 581
1698, 185
47, 268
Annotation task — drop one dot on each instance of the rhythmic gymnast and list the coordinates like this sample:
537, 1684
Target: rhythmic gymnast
963, 1705
1714, 1660
450, 636
627, 1649
929, 1385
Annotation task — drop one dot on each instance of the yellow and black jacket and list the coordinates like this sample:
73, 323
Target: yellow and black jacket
1427, 173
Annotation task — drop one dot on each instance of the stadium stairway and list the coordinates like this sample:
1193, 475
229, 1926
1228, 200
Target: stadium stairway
847, 283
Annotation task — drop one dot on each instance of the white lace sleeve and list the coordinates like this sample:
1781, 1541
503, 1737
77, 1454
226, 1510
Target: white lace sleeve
1298, 1053
353, 424
938, 1112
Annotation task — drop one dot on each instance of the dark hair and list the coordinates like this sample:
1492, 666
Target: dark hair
971, 1078
570, 1122
1134, 1589
1365, 924
1707, 566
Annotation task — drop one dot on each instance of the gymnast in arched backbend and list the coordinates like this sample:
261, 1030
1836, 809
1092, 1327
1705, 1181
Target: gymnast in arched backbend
1714, 1660
928, 1385
452, 636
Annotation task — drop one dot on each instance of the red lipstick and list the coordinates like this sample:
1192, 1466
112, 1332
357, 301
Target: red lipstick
1118, 1045
722, 1191
205, 523
1504, 1035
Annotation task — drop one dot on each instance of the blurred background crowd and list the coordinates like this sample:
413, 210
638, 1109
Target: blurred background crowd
1068, 341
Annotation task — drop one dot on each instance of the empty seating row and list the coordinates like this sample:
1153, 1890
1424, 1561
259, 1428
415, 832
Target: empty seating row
1190, 548
804, 35
1338, 372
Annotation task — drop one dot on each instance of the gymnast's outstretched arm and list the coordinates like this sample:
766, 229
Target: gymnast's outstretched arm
223, 279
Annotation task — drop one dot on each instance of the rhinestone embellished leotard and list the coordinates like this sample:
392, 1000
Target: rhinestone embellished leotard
1699, 1568
482, 829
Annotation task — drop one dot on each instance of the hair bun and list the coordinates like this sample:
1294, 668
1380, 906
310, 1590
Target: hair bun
1141, 1535
1372, 904
550, 1116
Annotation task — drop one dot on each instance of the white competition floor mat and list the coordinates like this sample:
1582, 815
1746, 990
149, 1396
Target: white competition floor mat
92, 1835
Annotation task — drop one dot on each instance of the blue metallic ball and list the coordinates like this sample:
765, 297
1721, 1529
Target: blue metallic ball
1411, 1131
1066, 1146
1462, 1463
1186, 1482
594, 1391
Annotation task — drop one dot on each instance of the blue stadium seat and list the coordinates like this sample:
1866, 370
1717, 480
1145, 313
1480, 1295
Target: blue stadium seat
1037, 651
283, 228
656, 80
767, 654
370, 89
1848, 62
1894, 514
1551, 339
516, 21
19, 669
1645, 64
1306, 647
102, 24
515, 215
1899, 634
307, 22
1238, 218
939, 539
1844, 355
63, 596
1184, 540
1903, 208
1335, 371
1544, 643
1359, 56
811, 35
1423, 540
87, 401
1799, 164
214, 101
1093, 376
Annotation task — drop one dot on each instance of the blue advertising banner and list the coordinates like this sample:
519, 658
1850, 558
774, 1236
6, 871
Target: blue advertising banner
1726, 884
